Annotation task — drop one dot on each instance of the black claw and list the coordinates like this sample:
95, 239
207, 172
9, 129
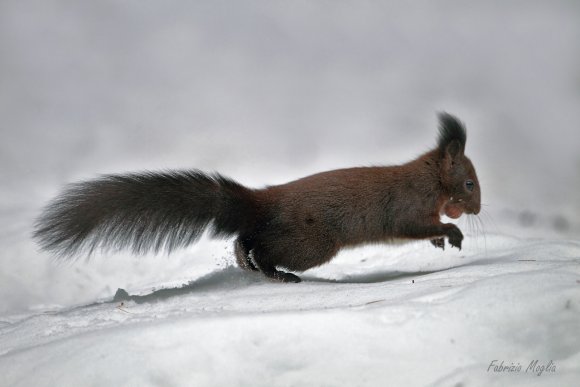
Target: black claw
289, 277
455, 237
439, 243
282, 276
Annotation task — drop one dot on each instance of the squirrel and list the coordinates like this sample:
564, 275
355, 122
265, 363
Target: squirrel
293, 226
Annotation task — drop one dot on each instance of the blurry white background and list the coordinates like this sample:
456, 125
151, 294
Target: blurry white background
267, 91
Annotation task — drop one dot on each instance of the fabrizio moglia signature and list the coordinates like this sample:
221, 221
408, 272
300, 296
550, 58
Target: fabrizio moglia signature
534, 367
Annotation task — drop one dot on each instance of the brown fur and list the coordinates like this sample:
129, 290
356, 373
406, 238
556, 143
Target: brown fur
296, 226
307, 221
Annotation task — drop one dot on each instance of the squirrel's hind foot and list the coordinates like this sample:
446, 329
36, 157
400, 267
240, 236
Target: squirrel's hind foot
282, 276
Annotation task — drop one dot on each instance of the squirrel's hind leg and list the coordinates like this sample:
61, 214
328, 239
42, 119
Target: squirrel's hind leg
242, 249
256, 262
268, 268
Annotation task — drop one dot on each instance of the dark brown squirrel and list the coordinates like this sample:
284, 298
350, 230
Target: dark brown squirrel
294, 226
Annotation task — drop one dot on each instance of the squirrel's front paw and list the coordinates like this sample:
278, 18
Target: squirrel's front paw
438, 242
455, 236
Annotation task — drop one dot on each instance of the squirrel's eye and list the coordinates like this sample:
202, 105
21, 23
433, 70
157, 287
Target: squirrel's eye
469, 184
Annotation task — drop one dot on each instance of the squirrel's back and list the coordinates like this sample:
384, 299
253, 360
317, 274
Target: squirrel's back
362, 203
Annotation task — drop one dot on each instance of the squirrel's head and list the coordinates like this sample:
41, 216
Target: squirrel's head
460, 185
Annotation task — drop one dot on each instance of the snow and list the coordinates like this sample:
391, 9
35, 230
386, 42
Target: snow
266, 92
402, 315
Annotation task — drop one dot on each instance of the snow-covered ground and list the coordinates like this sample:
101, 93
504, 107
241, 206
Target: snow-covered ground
266, 92
412, 316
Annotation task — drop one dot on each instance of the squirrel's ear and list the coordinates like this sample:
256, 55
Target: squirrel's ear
452, 136
454, 149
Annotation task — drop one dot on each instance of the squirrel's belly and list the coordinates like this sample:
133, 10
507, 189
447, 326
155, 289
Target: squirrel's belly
370, 241
398, 241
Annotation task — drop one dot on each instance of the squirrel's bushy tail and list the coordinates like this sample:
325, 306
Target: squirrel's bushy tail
149, 211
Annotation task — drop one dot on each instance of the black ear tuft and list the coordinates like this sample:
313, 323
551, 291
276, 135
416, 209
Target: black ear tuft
450, 130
